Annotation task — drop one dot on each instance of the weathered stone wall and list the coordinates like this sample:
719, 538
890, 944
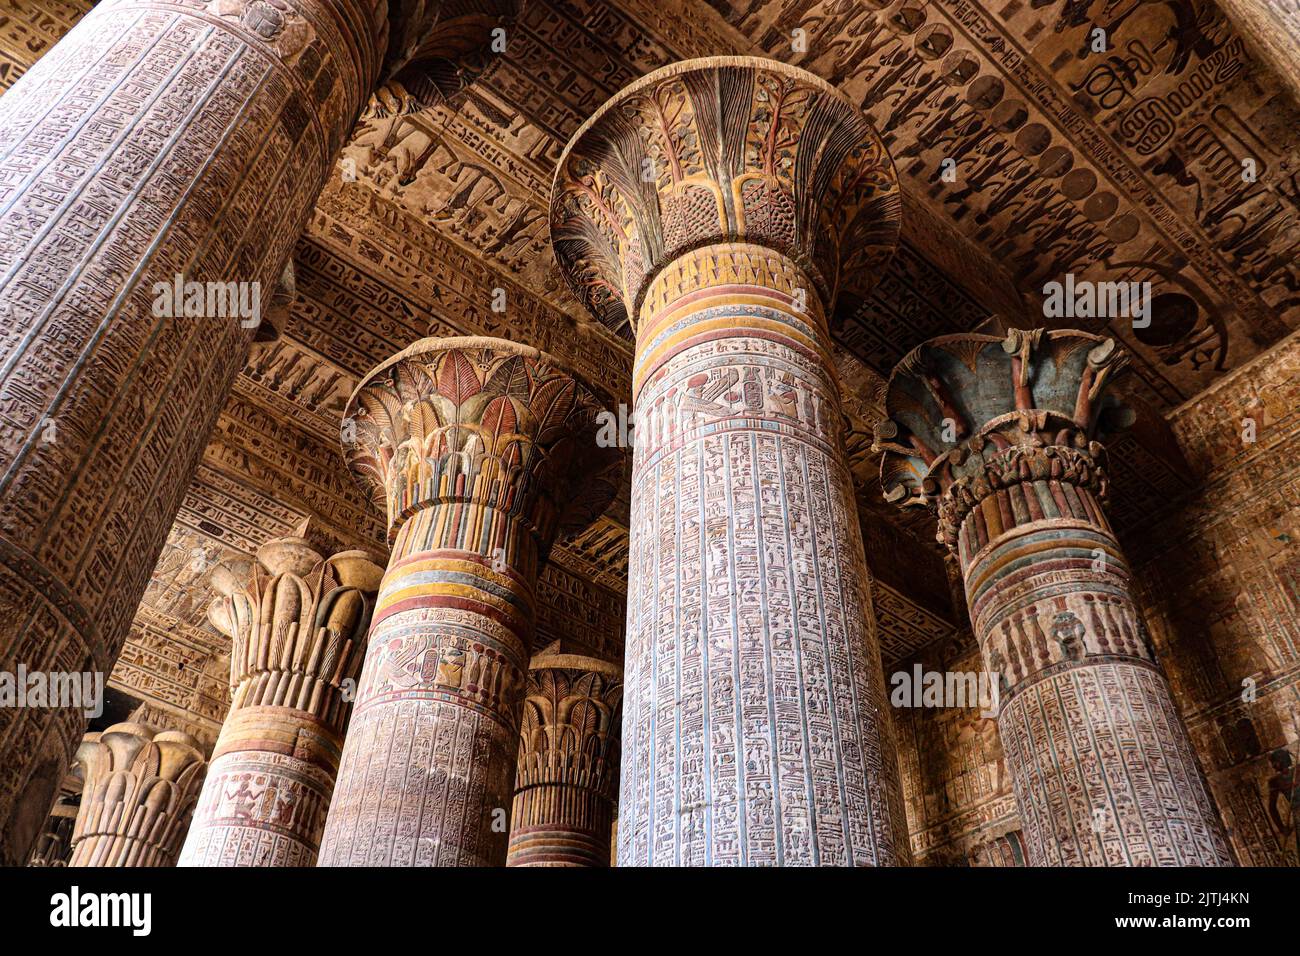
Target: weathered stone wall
1220, 581
960, 807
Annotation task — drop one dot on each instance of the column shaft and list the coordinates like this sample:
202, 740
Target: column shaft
567, 781
298, 626
481, 451
1102, 767
157, 139
433, 742
754, 693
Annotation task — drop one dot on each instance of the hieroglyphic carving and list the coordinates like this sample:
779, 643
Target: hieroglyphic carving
140, 785
714, 204
168, 662
903, 626
158, 139
297, 623
480, 452
960, 804
1002, 436
28, 28
446, 288
1049, 179
566, 784
572, 608
475, 174
1220, 583
598, 554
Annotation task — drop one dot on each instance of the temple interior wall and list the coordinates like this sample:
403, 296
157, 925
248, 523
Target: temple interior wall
1220, 581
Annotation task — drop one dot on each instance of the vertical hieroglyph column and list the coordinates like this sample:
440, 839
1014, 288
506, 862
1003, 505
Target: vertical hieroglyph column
139, 792
482, 451
713, 209
1003, 437
567, 781
298, 633
159, 139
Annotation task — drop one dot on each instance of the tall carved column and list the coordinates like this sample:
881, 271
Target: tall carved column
140, 788
1271, 28
481, 451
567, 782
717, 207
159, 138
54, 845
1003, 436
298, 627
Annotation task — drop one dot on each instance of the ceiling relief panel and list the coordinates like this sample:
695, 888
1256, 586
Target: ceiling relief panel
417, 281
180, 578
178, 668
1033, 181
475, 170
1123, 164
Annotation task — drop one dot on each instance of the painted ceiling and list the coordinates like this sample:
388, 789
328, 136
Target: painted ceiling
1169, 156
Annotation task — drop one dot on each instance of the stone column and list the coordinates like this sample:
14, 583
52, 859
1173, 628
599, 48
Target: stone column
54, 845
159, 138
140, 788
1003, 437
298, 627
1271, 28
716, 209
567, 782
481, 451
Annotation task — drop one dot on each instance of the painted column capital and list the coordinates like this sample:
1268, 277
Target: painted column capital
725, 149
140, 786
297, 621
486, 422
1004, 438
566, 784
291, 582
969, 414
